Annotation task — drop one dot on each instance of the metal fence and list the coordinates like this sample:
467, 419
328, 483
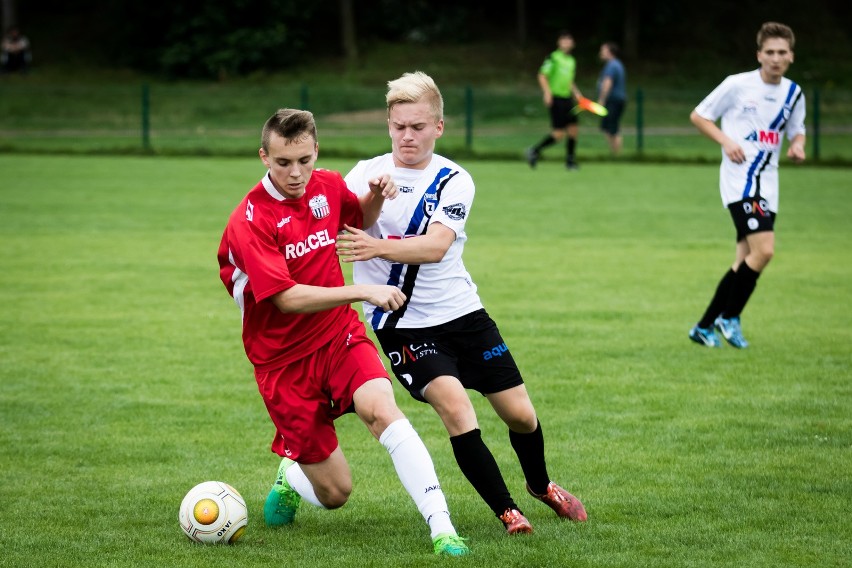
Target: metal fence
492, 122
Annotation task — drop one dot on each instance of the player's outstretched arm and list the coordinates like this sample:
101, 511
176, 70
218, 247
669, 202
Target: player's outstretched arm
305, 299
355, 245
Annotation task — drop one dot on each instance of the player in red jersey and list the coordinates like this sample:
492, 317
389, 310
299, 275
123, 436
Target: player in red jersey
312, 358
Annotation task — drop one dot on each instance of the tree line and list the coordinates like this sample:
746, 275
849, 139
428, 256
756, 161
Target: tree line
203, 39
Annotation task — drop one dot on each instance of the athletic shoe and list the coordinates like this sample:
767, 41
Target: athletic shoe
515, 522
449, 545
572, 165
566, 505
532, 157
283, 501
704, 336
731, 331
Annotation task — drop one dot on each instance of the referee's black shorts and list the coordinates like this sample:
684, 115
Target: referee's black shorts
561, 114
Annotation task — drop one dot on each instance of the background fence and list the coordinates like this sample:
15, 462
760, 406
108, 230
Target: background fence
493, 122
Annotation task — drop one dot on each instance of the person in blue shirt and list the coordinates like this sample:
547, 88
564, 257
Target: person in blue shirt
612, 94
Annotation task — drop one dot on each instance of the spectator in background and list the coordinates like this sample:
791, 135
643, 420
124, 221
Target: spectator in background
556, 79
15, 55
758, 109
612, 94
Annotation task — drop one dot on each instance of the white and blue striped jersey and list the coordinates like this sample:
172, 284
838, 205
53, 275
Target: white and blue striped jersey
757, 115
441, 193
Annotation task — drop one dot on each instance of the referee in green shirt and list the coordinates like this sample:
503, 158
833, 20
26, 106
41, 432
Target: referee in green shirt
556, 79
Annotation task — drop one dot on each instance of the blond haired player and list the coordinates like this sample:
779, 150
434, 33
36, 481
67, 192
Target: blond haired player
441, 341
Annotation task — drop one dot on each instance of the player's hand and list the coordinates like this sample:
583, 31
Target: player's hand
734, 151
388, 298
796, 152
384, 186
355, 244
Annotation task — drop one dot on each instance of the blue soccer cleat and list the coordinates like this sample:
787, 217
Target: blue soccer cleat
704, 336
731, 331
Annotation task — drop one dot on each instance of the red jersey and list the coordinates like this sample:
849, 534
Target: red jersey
272, 243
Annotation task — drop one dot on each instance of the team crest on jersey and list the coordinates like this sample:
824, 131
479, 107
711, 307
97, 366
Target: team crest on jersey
430, 201
319, 206
456, 211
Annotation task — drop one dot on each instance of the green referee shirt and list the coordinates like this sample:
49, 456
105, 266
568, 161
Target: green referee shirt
559, 68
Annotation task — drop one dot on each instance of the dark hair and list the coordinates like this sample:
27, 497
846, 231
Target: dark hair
613, 48
773, 29
565, 33
290, 124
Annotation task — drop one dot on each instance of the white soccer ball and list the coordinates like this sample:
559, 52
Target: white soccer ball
213, 512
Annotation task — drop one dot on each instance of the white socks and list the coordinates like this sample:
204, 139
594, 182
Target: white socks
417, 473
299, 482
415, 469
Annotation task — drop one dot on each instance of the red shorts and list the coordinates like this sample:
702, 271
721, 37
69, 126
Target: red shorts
306, 396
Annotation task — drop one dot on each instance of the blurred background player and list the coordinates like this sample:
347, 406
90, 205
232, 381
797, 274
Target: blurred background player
758, 108
312, 358
15, 55
612, 94
442, 341
556, 79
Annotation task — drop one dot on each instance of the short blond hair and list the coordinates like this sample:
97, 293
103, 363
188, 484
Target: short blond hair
414, 88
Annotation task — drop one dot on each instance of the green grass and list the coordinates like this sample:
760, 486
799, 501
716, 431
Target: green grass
123, 381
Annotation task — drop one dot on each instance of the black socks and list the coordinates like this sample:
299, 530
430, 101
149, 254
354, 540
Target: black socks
530, 450
480, 468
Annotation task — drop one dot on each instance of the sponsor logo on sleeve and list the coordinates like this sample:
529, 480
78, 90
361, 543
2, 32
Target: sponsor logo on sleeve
456, 211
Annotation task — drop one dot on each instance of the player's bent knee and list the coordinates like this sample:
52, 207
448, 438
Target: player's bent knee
522, 424
333, 497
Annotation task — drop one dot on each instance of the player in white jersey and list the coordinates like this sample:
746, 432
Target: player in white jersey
442, 341
758, 109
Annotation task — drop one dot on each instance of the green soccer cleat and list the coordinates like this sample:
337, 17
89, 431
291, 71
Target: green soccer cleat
283, 501
450, 545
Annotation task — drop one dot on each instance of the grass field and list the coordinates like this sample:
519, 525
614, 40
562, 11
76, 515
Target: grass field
123, 380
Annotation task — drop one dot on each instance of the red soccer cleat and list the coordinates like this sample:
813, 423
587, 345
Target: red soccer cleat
566, 505
515, 522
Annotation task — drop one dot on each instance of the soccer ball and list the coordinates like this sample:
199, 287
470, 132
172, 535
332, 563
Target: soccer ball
213, 512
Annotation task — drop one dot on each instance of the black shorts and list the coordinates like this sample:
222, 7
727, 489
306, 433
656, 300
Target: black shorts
610, 123
560, 112
751, 216
469, 348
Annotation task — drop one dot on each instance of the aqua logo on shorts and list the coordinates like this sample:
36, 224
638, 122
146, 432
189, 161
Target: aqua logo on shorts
495, 352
